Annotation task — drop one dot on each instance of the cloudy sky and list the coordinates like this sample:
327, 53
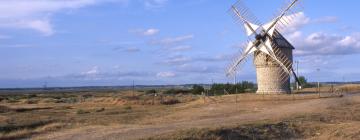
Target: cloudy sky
113, 42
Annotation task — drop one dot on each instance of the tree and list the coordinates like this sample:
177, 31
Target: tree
302, 81
217, 89
243, 87
176, 91
151, 91
197, 89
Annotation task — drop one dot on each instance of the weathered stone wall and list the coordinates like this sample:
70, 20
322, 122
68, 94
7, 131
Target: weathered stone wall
269, 74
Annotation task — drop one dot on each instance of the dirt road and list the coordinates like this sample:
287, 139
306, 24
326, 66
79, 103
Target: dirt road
210, 115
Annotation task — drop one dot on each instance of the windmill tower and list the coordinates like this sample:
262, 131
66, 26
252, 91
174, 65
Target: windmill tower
272, 53
270, 76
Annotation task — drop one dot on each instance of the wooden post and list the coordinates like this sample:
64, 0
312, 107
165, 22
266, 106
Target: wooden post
133, 89
161, 99
153, 101
204, 97
293, 94
319, 89
236, 98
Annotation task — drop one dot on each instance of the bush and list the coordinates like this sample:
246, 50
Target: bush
176, 91
151, 91
304, 82
220, 89
170, 102
31, 96
197, 90
80, 111
4, 109
87, 96
127, 107
71, 100
31, 101
100, 110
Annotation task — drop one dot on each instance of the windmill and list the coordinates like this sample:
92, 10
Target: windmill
272, 53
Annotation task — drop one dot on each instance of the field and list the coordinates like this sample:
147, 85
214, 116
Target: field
124, 114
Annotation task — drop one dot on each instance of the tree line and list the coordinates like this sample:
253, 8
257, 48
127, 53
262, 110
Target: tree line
215, 89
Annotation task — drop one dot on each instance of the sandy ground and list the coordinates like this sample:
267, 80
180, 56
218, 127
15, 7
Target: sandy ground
200, 116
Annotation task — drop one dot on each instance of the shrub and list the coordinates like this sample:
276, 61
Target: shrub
245, 86
151, 91
127, 107
197, 89
31, 101
176, 91
100, 110
87, 96
305, 84
170, 102
31, 96
80, 111
4, 109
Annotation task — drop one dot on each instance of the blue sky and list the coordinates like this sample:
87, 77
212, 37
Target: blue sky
113, 42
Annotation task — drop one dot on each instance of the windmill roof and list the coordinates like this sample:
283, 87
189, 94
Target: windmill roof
281, 41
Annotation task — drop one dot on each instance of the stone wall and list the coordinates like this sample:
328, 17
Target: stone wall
269, 72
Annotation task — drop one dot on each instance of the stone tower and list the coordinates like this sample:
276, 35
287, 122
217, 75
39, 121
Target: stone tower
268, 72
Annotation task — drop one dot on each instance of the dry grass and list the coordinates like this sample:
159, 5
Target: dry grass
340, 121
281, 130
20, 114
27, 132
350, 88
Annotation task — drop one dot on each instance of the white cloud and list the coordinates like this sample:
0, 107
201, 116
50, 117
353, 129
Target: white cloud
132, 49
93, 71
150, 32
220, 57
192, 68
177, 60
321, 43
349, 41
127, 49
294, 22
147, 32
36, 14
180, 48
172, 41
43, 26
165, 74
151, 4
327, 19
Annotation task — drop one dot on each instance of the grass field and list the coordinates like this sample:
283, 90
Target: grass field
52, 115
24, 115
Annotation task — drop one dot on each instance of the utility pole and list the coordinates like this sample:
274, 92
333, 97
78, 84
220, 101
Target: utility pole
133, 88
318, 84
235, 77
297, 73
45, 85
